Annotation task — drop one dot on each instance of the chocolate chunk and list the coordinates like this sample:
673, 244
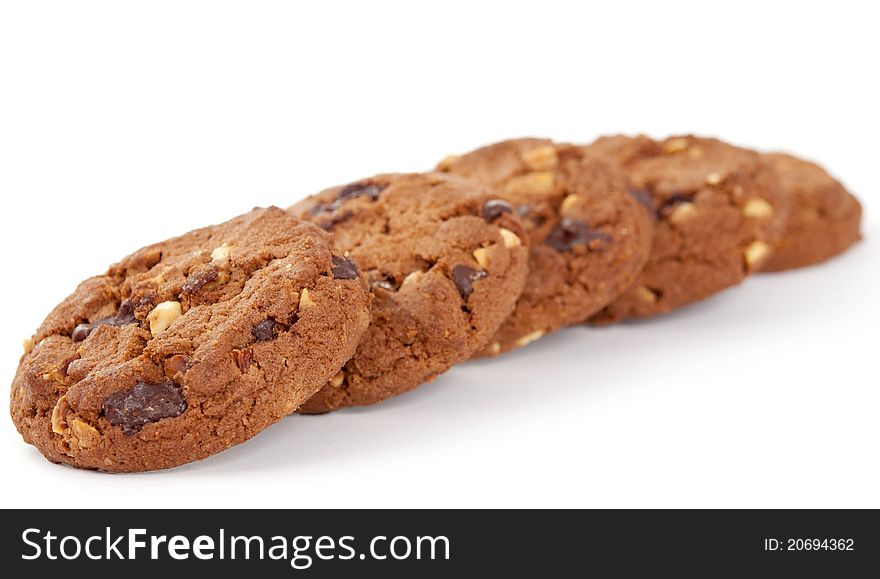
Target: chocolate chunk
495, 208
464, 278
672, 201
370, 190
320, 208
81, 332
642, 196
344, 268
243, 358
123, 317
199, 279
572, 232
266, 330
334, 220
144, 403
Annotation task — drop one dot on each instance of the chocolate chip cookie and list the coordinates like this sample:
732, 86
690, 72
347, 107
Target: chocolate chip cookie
825, 218
190, 346
589, 237
718, 210
445, 272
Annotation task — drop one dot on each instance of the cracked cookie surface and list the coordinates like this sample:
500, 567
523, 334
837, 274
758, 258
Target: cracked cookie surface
825, 218
589, 237
719, 211
190, 346
443, 276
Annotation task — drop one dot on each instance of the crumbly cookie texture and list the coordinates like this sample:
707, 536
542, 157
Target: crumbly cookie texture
589, 236
444, 277
719, 211
190, 346
825, 218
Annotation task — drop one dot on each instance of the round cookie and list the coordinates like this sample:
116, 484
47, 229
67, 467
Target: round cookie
825, 218
444, 277
589, 238
719, 212
190, 346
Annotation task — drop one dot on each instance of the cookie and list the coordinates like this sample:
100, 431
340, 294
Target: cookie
444, 275
589, 238
190, 346
718, 211
825, 218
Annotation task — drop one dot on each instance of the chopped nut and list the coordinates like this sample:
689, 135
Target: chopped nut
446, 163
755, 253
337, 380
56, 374
540, 182
305, 299
529, 338
58, 423
675, 146
177, 363
243, 358
495, 348
86, 434
221, 253
568, 204
758, 208
714, 179
682, 212
411, 279
28, 344
162, 316
482, 256
510, 238
541, 158
646, 294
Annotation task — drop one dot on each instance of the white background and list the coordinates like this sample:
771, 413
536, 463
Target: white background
125, 123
